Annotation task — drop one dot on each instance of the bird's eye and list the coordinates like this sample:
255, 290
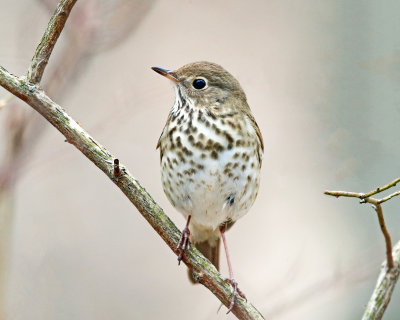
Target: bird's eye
199, 84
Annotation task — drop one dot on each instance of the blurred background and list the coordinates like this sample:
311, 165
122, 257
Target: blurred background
322, 80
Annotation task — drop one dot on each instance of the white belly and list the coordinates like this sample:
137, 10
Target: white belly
211, 190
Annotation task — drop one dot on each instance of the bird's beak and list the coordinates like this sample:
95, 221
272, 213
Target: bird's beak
166, 73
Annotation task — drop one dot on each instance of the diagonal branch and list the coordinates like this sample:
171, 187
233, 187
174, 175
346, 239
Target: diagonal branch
384, 288
390, 196
380, 189
49, 39
150, 210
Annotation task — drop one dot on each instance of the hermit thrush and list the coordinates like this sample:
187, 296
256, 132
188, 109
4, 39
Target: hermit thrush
211, 151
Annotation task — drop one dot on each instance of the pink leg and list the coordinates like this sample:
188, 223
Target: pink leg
231, 280
183, 243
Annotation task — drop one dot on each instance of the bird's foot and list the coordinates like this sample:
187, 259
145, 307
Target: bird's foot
236, 291
183, 243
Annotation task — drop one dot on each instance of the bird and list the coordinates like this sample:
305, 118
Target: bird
211, 151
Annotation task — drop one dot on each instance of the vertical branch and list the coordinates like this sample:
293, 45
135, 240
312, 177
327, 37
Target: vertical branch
386, 234
49, 39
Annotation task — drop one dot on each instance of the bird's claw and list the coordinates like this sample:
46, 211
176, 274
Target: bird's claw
183, 243
236, 291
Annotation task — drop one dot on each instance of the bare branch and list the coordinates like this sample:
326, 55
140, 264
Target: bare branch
150, 210
394, 194
49, 39
366, 198
361, 196
380, 189
391, 269
388, 240
338, 194
384, 288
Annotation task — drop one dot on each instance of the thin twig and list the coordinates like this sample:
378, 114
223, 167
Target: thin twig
49, 39
388, 240
150, 210
390, 271
338, 194
384, 288
390, 196
380, 189
366, 198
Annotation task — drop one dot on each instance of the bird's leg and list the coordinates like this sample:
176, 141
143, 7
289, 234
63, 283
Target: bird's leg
231, 280
183, 243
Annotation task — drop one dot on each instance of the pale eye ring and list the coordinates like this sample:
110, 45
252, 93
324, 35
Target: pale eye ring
199, 83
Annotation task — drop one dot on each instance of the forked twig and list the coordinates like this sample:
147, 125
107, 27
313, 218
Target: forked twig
366, 198
391, 268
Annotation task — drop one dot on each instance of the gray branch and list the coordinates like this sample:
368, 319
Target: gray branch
49, 39
384, 288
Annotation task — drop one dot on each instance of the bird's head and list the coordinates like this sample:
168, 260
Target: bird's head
205, 84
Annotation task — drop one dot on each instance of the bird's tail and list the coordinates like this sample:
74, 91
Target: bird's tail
210, 252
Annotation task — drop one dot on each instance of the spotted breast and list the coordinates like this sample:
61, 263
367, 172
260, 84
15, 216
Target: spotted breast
211, 152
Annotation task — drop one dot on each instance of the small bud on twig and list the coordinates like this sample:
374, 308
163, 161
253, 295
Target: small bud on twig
117, 169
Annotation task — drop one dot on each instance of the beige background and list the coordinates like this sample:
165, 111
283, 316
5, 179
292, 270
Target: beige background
322, 80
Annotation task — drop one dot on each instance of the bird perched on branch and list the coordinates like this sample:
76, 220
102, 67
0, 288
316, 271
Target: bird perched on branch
211, 152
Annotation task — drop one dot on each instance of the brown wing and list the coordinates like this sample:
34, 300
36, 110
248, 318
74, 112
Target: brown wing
259, 135
159, 144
